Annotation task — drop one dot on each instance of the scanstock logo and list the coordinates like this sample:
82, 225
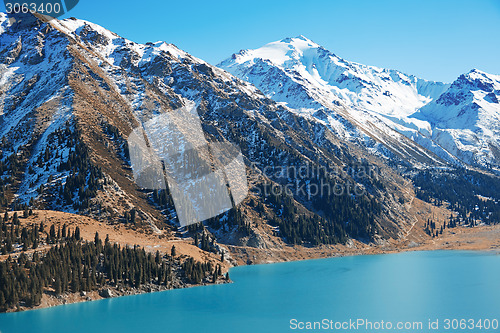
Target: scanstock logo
204, 179
50, 8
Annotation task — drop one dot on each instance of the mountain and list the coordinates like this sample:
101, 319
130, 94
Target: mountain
327, 179
465, 119
73, 92
308, 78
357, 102
279, 68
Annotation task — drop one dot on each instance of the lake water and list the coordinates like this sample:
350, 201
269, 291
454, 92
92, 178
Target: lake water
404, 288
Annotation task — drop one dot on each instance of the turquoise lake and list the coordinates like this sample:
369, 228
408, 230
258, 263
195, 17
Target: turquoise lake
397, 288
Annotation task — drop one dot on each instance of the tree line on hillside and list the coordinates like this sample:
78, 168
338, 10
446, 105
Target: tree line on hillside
77, 266
474, 196
233, 219
64, 156
331, 218
434, 230
14, 236
340, 215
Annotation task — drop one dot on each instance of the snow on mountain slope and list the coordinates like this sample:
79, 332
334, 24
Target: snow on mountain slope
465, 120
357, 102
279, 68
72, 91
456, 123
59, 77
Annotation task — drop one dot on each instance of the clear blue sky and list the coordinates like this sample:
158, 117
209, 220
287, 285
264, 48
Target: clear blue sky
435, 40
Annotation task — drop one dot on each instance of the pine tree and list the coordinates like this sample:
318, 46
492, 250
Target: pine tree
52, 233
132, 215
173, 251
157, 257
57, 286
2, 301
77, 233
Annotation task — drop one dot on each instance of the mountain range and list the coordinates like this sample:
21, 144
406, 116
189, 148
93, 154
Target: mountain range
457, 122
72, 92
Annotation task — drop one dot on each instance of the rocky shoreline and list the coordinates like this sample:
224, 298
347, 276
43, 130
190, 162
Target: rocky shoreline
49, 299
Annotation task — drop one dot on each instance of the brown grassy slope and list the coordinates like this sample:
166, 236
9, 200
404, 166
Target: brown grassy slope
117, 234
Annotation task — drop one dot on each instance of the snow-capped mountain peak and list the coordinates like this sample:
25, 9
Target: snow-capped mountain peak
470, 93
329, 79
308, 78
278, 53
466, 118
479, 80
